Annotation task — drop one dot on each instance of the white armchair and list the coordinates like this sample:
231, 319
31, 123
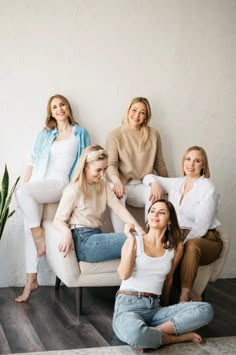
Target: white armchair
68, 270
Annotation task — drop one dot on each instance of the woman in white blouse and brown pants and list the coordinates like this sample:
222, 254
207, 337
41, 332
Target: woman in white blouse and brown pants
195, 199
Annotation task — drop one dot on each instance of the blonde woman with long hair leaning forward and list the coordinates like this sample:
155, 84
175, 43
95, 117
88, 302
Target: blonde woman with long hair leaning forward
195, 199
134, 150
80, 214
146, 270
54, 158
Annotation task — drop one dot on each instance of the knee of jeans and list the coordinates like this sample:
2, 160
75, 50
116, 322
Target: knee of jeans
208, 310
138, 339
127, 334
132, 338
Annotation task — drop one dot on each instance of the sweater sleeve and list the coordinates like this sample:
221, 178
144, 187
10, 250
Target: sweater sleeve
67, 204
159, 164
111, 198
113, 156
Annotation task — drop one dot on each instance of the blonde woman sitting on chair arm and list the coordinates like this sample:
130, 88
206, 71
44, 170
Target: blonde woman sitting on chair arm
80, 213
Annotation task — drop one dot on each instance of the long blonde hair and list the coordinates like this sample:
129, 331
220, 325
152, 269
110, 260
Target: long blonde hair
144, 138
50, 122
205, 170
90, 154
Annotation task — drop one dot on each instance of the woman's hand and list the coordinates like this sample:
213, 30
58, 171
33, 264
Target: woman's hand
28, 173
129, 230
66, 245
119, 189
156, 192
140, 230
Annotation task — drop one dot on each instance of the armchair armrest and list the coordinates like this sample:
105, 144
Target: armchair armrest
66, 268
218, 265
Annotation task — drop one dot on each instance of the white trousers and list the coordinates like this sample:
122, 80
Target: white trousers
30, 198
137, 195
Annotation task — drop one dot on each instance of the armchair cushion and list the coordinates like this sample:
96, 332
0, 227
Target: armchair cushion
99, 268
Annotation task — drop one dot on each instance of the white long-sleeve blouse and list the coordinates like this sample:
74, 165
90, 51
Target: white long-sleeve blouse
198, 209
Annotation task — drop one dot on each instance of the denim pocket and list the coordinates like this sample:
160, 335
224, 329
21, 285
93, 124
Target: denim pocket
126, 304
127, 299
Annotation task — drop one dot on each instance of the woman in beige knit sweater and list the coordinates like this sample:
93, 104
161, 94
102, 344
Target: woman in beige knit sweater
134, 150
81, 211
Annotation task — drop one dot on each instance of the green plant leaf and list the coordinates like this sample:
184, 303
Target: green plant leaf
8, 201
3, 222
5, 200
4, 190
11, 214
14, 186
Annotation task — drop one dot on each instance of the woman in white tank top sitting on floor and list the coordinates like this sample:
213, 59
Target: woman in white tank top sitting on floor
146, 269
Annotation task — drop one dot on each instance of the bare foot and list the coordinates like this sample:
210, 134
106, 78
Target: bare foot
194, 296
39, 240
182, 338
31, 285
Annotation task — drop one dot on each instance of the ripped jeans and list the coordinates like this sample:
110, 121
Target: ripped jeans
135, 317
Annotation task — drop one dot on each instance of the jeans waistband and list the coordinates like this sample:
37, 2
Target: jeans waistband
137, 293
74, 226
92, 230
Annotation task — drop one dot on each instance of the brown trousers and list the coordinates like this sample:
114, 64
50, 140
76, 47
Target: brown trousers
198, 251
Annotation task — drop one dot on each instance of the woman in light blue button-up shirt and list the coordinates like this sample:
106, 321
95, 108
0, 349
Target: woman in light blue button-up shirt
54, 158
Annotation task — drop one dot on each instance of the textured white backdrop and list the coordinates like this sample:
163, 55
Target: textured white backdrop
181, 54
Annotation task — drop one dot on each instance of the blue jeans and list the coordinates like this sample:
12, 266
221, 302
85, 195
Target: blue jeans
93, 246
135, 317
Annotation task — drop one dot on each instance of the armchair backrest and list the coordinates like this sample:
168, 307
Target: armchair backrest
49, 211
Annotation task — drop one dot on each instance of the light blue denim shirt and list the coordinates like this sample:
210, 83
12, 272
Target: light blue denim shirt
40, 155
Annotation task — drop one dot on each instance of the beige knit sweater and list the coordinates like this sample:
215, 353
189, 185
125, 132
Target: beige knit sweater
127, 162
86, 211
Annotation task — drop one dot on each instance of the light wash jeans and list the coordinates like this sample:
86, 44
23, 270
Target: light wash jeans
135, 317
93, 246
137, 195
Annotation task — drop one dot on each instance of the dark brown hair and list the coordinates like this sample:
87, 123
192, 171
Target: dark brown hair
172, 234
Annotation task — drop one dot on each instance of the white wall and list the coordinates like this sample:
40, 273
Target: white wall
100, 54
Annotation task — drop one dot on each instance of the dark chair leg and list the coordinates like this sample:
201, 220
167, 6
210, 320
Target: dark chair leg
78, 302
57, 284
203, 296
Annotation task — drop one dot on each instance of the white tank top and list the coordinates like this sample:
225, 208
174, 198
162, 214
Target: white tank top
61, 159
149, 272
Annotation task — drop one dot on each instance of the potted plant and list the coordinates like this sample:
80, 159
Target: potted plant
5, 199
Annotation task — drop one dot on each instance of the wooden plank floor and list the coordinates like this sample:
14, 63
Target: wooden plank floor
48, 322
